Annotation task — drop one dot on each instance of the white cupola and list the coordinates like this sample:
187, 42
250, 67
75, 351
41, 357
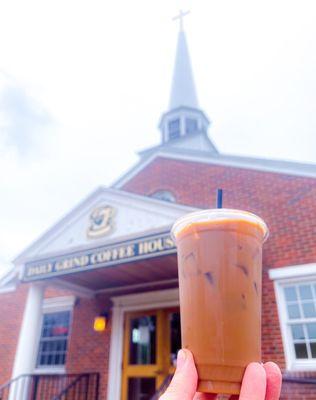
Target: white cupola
184, 117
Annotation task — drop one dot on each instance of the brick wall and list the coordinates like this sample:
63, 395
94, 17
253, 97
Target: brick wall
299, 391
11, 313
272, 346
89, 350
286, 202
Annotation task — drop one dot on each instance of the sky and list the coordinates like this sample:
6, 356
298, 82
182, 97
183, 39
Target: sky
84, 83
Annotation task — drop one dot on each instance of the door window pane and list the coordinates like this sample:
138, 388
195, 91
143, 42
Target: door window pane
141, 388
143, 340
175, 336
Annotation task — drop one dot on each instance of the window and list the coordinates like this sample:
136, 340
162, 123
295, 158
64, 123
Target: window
301, 318
191, 125
174, 129
295, 289
164, 195
54, 339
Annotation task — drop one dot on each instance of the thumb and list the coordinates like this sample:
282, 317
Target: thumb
184, 381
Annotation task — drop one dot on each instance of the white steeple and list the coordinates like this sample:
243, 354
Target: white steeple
183, 91
184, 117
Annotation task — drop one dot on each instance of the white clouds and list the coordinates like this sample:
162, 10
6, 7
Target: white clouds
23, 123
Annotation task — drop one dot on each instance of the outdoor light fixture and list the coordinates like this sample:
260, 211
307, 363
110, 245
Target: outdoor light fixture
100, 322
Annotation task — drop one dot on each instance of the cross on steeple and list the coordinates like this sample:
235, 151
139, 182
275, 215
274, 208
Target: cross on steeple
180, 18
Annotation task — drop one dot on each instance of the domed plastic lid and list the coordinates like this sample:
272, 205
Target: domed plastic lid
218, 214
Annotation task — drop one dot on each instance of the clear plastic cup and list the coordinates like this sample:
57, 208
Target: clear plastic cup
220, 273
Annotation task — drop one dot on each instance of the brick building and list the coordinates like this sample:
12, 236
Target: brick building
111, 260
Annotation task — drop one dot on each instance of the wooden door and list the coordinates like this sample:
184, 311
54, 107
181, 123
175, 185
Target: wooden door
151, 341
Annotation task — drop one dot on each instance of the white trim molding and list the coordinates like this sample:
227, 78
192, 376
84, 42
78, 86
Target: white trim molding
122, 304
295, 275
8, 288
56, 304
294, 271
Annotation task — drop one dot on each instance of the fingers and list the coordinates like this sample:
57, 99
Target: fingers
254, 383
274, 381
184, 381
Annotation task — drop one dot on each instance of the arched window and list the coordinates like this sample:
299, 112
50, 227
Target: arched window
164, 195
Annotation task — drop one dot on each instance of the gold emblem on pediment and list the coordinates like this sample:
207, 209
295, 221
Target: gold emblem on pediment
101, 222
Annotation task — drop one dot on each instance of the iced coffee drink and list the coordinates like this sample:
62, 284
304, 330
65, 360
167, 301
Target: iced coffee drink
219, 264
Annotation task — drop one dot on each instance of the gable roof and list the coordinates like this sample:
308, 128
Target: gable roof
135, 215
9, 280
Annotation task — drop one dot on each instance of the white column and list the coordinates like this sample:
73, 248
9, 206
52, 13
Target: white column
26, 352
116, 354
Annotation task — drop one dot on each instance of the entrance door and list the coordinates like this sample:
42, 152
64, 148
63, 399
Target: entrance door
152, 340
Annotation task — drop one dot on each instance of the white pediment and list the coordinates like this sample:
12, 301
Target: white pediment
107, 215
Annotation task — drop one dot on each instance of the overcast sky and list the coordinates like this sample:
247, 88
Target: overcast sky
83, 85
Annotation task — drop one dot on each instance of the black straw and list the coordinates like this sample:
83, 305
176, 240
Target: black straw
219, 200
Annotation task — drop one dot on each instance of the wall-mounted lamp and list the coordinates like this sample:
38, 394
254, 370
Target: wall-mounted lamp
100, 322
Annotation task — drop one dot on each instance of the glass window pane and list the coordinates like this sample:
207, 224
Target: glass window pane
305, 292
191, 125
143, 340
293, 311
313, 349
175, 339
290, 293
309, 310
56, 359
311, 330
300, 350
174, 129
141, 388
297, 332
59, 345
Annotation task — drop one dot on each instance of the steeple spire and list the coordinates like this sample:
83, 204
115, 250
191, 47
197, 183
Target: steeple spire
184, 119
183, 91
